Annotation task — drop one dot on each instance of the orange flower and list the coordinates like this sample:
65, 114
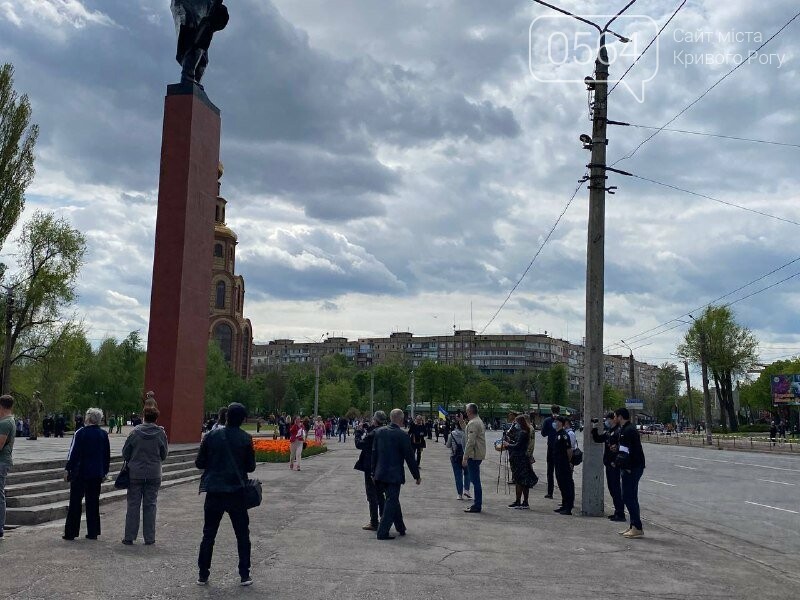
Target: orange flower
268, 445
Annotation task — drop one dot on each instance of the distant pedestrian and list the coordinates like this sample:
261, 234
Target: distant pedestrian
60, 426
455, 442
630, 460
222, 416
343, 427
390, 450
120, 423
549, 431
112, 422
297, 436
610, 440
364, 441
319, 431
8, 431
226, 456
474, 454
562, 462
416, 431
773, 433
524, 477
144, 450
87, 466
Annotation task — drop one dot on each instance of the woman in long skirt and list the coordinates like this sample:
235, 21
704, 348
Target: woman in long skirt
524, 477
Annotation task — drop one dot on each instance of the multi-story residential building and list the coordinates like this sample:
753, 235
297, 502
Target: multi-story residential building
503, 353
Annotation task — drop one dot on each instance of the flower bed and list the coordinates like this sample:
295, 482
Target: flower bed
278, 450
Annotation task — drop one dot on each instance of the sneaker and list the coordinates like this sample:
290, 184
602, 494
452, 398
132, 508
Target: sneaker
514, 505
633, 533
524, 506
202, 580
559, 509
460, 497
128, 542
472, 509
617, 518
624, 532
370, 527
467, 495
246, 581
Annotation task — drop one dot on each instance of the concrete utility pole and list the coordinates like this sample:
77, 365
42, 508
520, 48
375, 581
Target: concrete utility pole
9, 346
372, 393
689, 390
592, 478
316, 391
413, 406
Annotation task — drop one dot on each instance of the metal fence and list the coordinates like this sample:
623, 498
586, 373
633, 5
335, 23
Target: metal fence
737, 442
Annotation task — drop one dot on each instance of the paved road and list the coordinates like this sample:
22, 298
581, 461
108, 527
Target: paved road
307, 536
747, 502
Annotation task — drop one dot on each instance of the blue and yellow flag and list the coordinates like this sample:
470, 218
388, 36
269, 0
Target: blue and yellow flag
443, 414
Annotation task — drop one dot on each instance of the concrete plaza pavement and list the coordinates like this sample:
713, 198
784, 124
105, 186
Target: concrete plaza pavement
308, 542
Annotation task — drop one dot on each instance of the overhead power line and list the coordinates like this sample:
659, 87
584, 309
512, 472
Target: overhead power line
637, 338
705, 93
653, 41
535, 256
725, 202
716, 135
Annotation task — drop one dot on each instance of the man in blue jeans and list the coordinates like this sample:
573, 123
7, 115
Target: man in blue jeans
630, 460
474, 454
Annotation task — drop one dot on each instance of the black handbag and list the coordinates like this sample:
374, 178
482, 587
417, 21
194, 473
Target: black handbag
251, 488
123, 480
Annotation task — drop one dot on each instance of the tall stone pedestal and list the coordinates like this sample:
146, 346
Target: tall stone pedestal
177, 342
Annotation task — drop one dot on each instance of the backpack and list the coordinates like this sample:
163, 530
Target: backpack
577, 455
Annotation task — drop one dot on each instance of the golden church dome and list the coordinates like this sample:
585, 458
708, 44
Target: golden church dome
225, 231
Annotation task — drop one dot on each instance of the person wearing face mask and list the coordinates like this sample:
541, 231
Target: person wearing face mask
610, 439
562, 463
630, 460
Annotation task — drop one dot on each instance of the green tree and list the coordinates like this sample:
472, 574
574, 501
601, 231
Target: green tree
485, 395
17, 141
335, 398
729, 350
392, 378
612, 398
667, 385
557, 390
756, 396
218, 379
51, 253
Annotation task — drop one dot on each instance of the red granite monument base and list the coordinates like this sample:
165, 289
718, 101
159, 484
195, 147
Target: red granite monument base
177, 341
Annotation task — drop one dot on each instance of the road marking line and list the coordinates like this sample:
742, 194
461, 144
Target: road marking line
661, 482
779, 482
794, 512
683, 467
706, 459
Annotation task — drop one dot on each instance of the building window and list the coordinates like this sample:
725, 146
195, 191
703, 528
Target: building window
218, 253
220, 294
223, 334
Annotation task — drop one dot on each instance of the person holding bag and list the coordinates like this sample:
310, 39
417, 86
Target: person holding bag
144, 451
226, 456
455, 441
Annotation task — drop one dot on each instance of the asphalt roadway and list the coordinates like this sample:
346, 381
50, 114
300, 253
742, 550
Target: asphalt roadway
703, 540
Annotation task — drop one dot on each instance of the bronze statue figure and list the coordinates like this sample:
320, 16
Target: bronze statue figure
196, 21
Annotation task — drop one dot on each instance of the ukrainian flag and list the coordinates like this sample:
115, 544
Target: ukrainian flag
443, 414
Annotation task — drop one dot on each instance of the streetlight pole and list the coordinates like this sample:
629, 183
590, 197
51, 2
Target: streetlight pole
371, 392
316, 391
413, 406
592, 477
704, 370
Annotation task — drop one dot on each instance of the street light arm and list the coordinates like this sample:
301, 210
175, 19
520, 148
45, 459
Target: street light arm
569, 14
606, 28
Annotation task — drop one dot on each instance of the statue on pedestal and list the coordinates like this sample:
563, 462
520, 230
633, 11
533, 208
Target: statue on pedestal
196, 21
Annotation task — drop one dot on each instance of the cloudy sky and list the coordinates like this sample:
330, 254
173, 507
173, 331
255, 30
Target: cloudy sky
390, 165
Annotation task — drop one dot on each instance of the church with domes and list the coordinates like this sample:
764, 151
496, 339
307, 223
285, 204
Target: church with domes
228, 326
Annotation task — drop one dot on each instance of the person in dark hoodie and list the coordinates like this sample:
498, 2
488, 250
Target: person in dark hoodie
144, 450
226, 456
364, 439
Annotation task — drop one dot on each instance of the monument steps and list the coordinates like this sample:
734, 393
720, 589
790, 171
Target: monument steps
37, 492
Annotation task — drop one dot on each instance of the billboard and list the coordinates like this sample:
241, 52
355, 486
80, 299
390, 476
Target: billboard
785, 390
634, 404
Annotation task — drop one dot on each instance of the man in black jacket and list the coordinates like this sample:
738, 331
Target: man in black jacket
630, 460
227, 456
364, 440
391, 448
549, 431
610, 439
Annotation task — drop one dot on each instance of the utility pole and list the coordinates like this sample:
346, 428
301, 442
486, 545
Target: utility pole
316, 391
413, 406
688, 390
593, 487
371, 392
9, 346
632, 377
